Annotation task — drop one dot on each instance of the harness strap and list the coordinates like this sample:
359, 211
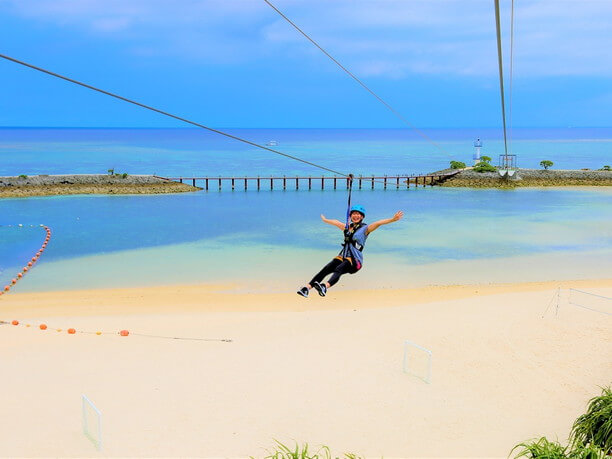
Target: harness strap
348, 206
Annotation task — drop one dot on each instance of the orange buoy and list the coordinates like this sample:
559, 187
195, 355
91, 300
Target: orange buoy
7, 288
15, 322
25, 269
30, 263
72, 331
38, 253
13, 281
42, 326
33, 258
20, 275
124, 332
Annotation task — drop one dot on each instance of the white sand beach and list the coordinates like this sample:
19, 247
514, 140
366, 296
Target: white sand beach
317, 370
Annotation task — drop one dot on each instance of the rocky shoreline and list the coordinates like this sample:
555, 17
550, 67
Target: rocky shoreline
52, 185
529, 178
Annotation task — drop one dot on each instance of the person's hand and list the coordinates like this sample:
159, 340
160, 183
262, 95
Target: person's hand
323, 217
398, 215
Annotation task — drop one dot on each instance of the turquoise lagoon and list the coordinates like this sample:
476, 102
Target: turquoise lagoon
274, 240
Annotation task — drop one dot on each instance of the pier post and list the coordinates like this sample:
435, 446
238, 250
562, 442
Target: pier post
372, 181
181, 179
245, 184
309, 182
334, 182
206, 183
397, 182
271, 183
219, 183
193, 182
258, 184
284, 182
233, 184
297, 183
360, 177
322, 182
385, 182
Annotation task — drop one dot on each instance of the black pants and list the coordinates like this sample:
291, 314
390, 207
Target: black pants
336, 268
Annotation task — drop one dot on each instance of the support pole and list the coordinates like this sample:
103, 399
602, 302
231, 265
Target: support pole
284, 182
206, 183
385, 182
334, 182
309, 182
360, 177
372, 182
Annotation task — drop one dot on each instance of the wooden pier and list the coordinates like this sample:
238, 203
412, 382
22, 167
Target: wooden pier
285, 182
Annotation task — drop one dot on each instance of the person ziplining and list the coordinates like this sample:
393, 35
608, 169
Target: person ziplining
350, 258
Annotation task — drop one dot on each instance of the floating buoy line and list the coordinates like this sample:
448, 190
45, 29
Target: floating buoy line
72, 331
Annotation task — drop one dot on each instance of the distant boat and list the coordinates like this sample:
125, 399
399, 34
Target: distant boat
272, 143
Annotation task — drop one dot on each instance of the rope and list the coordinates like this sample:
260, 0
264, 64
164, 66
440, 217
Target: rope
170, 115
361, 83
501, 72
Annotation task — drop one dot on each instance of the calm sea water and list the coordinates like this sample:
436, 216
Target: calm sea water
275, 239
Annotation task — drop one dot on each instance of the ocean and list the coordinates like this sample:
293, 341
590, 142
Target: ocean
275, 240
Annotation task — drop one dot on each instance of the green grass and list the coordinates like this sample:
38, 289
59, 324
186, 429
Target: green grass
541, 449
282, 451
595, 426
590, 438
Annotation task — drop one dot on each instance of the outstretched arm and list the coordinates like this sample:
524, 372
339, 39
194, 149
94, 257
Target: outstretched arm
337, 223
372, 226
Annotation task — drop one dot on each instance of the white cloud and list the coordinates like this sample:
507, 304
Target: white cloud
378, 38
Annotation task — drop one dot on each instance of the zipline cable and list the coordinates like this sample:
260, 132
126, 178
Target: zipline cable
501, 74
185, 120
361, 83
348, 206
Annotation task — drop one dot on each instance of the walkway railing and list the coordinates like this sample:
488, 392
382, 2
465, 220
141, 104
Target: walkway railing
321, 182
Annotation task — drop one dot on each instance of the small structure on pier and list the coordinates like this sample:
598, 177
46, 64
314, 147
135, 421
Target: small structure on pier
507, 165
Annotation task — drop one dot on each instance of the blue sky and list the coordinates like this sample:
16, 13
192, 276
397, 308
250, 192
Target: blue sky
236, 63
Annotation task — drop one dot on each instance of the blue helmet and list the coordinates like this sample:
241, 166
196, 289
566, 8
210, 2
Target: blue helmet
358, 208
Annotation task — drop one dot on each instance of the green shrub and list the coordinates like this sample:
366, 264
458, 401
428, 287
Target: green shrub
484, 167
457, 165
606, 168
111, 171
485, 159
542, 449
595, 426
23, 176
282, 451
124, 175
546, 164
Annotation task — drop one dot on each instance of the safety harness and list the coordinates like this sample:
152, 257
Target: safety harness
349, 240
349, 231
